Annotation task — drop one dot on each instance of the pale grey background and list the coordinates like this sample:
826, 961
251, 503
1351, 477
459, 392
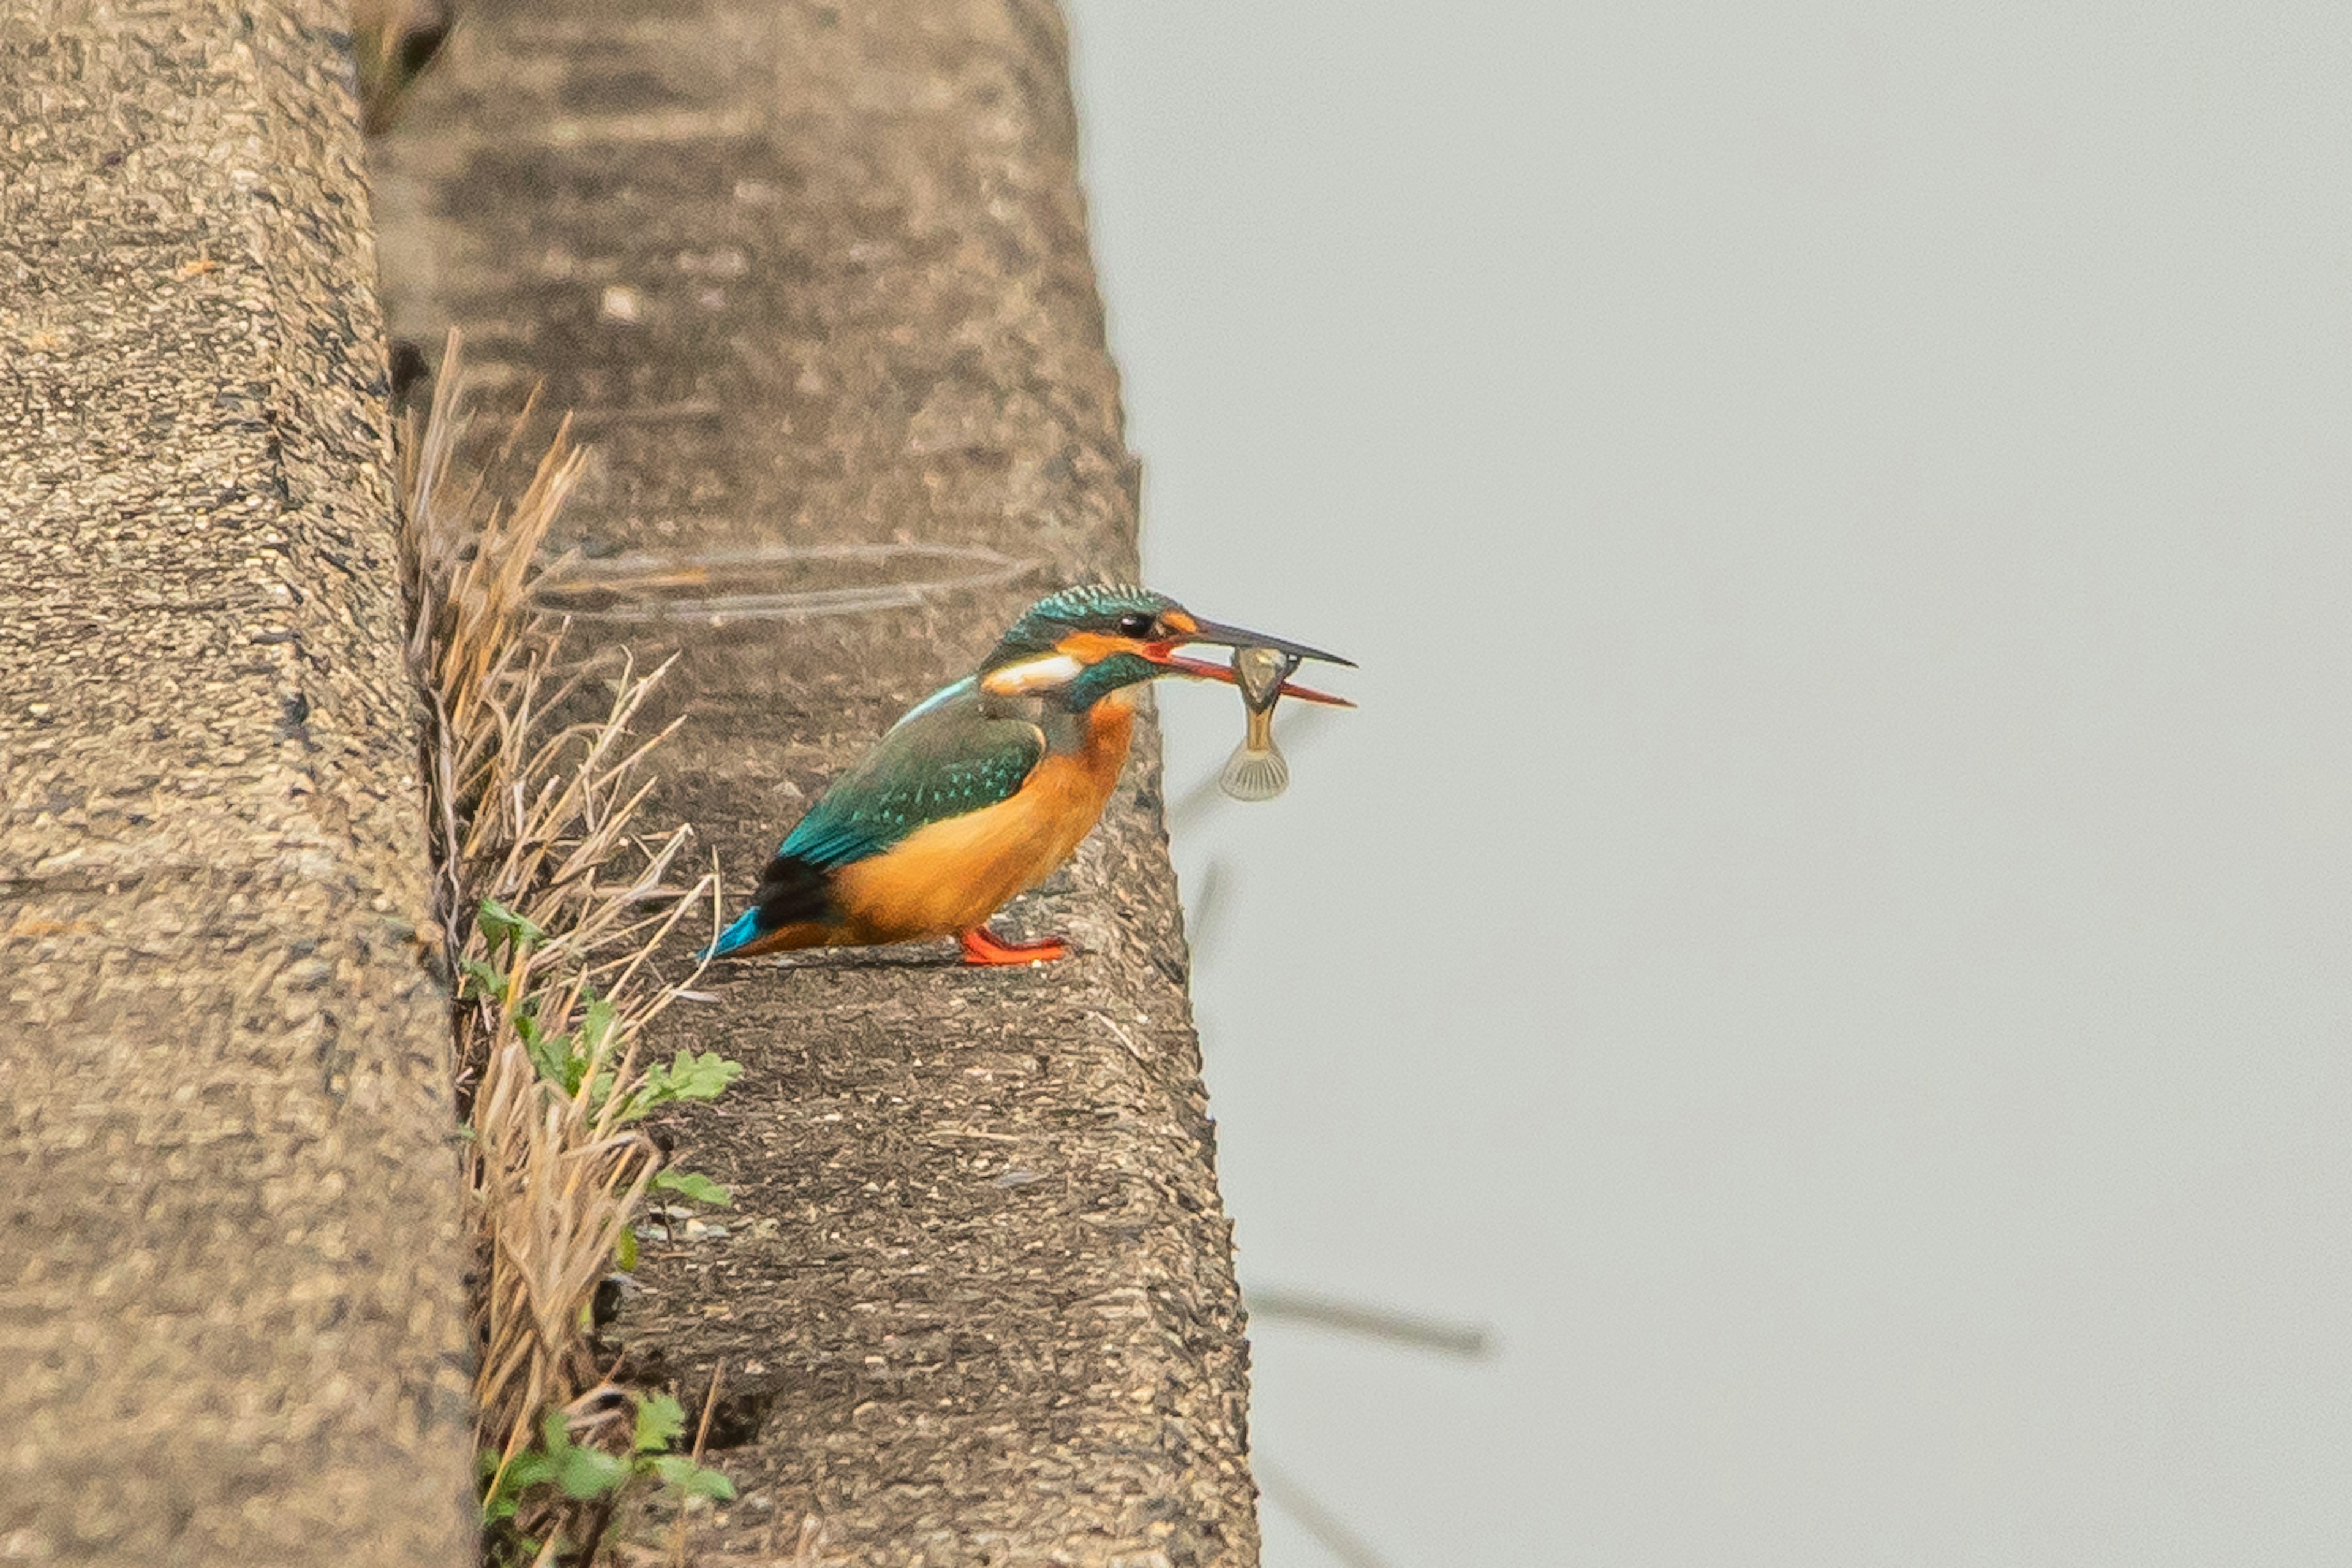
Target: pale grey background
1830, 927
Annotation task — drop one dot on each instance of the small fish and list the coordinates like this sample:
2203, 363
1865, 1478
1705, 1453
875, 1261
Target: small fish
1255, 771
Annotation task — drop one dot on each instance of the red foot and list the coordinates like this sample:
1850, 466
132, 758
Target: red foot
981, 945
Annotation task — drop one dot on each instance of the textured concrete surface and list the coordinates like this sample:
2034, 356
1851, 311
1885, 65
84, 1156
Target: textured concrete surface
817, 275
230, 1322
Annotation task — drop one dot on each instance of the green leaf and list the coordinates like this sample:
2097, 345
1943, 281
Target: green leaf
688, 1184
503, 1543
624, 1252
504, 928
689, 1077
479, 981
529, 1470
597, 1025
587, 1473
678, 1471
551, 1054
660, 1423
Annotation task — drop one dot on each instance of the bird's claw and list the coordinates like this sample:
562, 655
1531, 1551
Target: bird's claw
983, 946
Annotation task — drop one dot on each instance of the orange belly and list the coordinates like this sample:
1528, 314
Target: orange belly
948, 876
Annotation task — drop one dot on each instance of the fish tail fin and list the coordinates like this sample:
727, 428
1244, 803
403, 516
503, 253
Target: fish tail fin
1252, 775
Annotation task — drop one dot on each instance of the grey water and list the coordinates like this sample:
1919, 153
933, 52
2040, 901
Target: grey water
1829, 931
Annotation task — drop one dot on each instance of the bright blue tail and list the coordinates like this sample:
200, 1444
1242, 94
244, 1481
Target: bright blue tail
742, 933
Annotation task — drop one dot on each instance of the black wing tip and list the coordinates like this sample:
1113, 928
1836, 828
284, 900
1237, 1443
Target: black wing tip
792, 890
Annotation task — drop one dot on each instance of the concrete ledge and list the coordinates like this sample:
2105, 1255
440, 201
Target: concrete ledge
230, 1316
817, 275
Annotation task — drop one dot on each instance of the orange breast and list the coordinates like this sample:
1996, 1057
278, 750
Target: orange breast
949, 876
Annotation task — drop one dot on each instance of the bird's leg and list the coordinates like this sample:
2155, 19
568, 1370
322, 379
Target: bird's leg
981, 945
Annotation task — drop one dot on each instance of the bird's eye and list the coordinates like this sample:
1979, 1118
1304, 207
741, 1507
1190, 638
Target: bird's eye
1135, 624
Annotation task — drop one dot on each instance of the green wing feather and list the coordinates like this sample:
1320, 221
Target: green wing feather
945, 759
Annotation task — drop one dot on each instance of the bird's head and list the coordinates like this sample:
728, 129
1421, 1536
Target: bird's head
1082, 644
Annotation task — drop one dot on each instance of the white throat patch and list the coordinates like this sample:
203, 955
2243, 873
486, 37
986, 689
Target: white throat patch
1033, 675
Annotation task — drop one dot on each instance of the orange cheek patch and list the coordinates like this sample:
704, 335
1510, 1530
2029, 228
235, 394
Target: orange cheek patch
1093, 647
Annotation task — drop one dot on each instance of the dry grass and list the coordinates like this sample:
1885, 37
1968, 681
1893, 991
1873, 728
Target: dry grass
534, 817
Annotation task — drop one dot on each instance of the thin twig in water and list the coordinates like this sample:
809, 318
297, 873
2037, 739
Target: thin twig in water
1317, 1520
1466, 1340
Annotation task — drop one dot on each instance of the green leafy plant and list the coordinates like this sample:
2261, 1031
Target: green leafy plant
559, 1469
697, 1189
688, 1077
660, 1426
566, 1059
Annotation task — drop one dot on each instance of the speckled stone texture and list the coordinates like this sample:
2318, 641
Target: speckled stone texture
817, 274
231, 1318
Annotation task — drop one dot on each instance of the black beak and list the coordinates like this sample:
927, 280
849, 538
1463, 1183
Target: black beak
1233, 637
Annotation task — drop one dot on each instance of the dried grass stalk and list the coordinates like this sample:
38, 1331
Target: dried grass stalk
537, 814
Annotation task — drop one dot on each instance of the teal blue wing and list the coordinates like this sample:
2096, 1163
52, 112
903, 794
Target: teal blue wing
943, 759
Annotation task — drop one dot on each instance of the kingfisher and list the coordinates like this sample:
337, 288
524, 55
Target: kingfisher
987, 785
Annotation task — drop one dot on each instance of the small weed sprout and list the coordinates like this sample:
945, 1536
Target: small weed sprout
595, 1480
